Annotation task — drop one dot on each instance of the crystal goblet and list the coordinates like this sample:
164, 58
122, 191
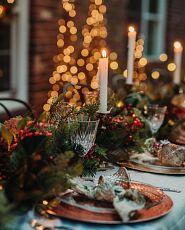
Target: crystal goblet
155, 117
83, 132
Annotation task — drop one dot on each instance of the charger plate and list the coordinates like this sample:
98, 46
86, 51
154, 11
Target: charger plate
79, 208
152, 167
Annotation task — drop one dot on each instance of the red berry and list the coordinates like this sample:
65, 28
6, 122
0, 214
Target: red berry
29, 134
135, 123
29, 123
48, 134
14, 145
37, 133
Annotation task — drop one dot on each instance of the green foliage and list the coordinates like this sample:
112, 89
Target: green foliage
41, 164
35, 176
33, 144
5, 211
22, 123
90, 111
123, 128
93, 160
90, 167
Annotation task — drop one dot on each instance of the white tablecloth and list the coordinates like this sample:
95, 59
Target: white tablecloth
175, 220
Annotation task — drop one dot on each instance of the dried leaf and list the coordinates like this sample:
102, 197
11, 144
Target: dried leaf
7, 135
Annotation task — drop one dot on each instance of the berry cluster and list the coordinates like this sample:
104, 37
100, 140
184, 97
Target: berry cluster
30, 129
129, 122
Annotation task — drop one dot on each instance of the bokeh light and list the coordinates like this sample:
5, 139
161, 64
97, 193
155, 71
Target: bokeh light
171, 67
155, 74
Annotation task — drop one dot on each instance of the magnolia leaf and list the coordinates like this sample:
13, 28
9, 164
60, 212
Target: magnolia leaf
43, 116
7, 135
22, 123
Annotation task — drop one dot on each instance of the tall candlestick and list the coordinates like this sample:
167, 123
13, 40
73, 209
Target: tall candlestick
103, 82
177, 60
131, 50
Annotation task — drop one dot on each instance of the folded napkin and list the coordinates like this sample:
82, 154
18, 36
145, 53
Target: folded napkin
125, 201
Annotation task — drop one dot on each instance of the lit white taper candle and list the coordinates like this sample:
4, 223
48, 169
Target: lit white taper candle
177, 60
131, 51
103, 82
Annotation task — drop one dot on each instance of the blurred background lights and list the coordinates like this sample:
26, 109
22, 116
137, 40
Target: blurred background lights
46, 107
60, 43
80, 62
125, 73
113, 56
98, 2
62, 29
163, 57
73, 69
85, 52
114, 65
143, 61
76, 67
10, 1
171, 67
89, 67
155, 74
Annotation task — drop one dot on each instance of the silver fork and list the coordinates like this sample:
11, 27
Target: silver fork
169, 190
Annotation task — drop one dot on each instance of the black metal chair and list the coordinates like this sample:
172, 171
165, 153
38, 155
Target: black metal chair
10, 113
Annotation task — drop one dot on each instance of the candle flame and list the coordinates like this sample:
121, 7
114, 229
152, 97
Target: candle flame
104, 53
131, 29
177, 45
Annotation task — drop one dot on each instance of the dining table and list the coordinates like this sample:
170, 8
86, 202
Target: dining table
172, 185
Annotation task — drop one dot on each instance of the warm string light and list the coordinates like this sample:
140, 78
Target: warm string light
10, 1
155, 75
71, 70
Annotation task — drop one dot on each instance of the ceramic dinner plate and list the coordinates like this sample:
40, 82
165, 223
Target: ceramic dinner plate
79, 208
153, 168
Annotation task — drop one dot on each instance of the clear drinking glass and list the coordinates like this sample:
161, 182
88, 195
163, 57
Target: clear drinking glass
83, 132
155, 117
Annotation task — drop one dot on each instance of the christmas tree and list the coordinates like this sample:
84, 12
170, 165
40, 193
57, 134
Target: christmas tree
76, 65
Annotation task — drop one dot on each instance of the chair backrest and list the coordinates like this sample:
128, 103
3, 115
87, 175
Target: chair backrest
6, 107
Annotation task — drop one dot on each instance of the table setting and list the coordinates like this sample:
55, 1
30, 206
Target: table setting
96, 159
173, 220
63, 177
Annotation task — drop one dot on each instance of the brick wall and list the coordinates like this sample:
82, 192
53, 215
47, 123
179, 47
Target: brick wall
117, 24
44, 17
